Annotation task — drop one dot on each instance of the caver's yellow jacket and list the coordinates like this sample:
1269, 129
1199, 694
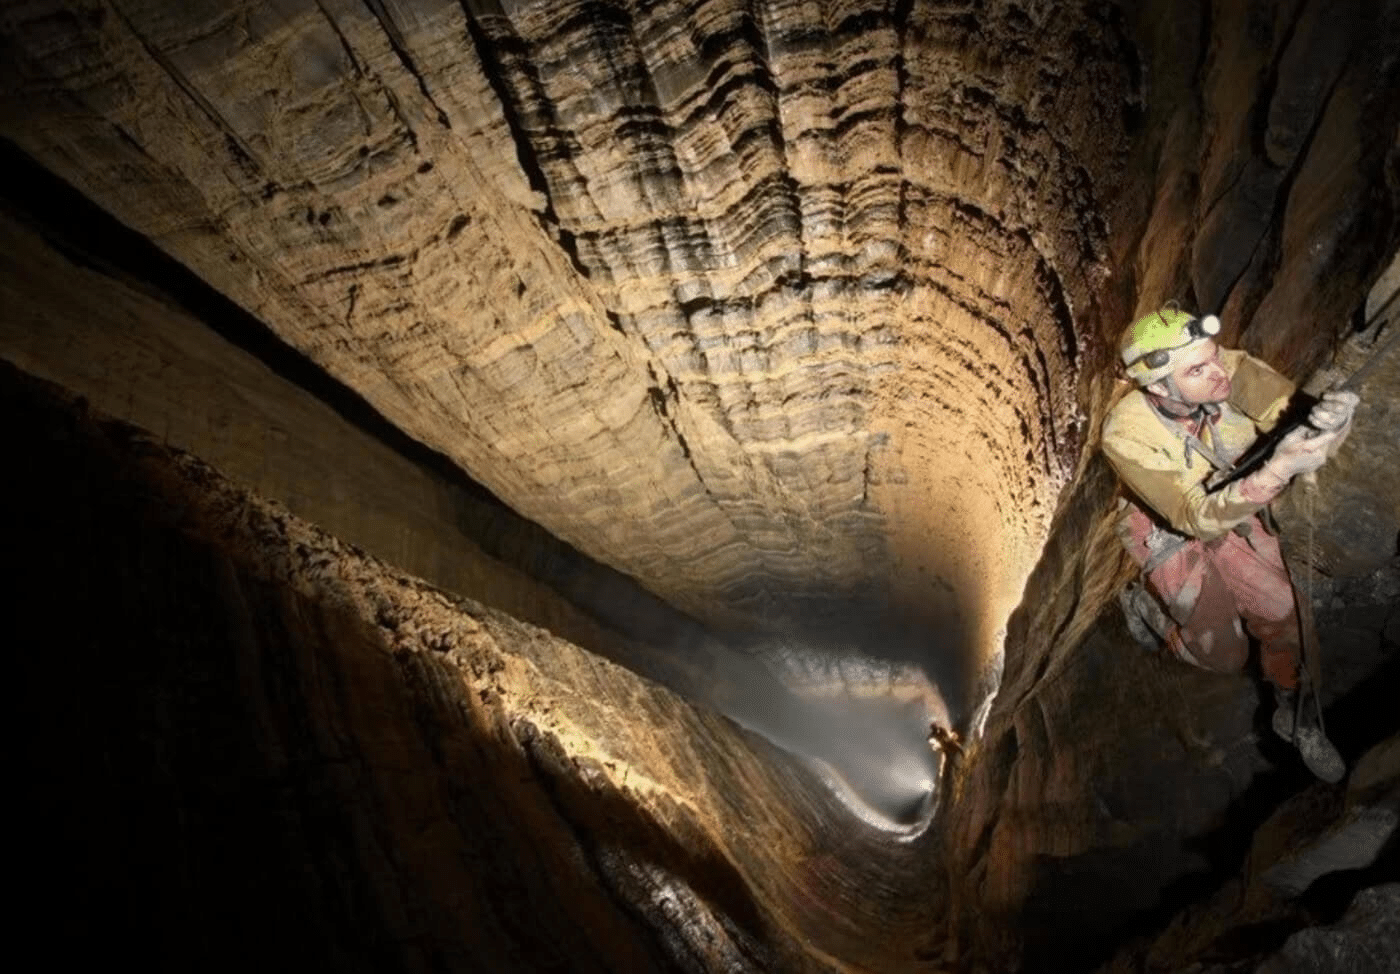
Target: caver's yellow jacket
1157, 460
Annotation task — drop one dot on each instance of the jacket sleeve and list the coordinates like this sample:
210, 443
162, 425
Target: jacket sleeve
1177, 493
1256, 389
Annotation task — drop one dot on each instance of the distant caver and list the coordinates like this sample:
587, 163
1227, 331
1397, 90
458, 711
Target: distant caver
1212, 565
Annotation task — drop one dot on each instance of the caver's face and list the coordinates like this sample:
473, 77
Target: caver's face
1199, 376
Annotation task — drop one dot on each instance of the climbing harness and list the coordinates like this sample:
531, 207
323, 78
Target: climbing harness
1191, 442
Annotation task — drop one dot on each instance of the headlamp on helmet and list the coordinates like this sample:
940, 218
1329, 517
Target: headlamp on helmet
1149, 343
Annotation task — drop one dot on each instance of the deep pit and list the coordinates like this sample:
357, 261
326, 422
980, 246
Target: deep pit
758, 349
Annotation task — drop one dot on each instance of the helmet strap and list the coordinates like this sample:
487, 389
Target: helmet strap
1173, 390
1171, 404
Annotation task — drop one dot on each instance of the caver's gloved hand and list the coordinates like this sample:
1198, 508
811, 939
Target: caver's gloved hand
1333, 411
1302, 451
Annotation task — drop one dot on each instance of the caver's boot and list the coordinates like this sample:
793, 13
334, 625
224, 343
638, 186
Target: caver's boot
1317, 752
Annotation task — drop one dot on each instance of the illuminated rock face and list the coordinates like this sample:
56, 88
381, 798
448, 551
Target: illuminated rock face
764, 306
794, 313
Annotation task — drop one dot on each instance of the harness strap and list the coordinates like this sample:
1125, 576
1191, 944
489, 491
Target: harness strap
1192, 442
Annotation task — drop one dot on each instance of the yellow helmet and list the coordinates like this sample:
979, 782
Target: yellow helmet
1148, 343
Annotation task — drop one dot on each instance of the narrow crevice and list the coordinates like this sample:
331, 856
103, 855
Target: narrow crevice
526, 155
396, 41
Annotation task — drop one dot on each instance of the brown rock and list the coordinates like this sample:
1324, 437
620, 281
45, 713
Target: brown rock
802, 317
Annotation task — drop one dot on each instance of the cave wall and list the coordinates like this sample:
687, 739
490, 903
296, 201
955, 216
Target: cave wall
1270, 136
134, 355
94, 307
243, 742
794, 286
818, 294
783, 308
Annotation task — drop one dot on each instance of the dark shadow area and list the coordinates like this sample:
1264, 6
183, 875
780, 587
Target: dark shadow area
218, 773
1087, 906
1328, 898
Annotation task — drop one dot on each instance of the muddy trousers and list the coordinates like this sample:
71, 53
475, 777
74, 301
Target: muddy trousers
1215, 590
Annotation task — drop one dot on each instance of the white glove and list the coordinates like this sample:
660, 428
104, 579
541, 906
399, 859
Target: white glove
1333, 411
1302, 451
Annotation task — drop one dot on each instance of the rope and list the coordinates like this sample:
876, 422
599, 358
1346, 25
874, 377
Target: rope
1312, 682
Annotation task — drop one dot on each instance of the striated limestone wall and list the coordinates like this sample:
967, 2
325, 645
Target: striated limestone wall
132, 354
93, 307
772, 307
785, 309
97, 309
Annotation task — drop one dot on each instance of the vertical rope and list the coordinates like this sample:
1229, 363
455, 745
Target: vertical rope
1308, 633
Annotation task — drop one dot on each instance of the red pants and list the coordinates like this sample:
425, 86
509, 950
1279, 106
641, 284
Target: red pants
1214, 589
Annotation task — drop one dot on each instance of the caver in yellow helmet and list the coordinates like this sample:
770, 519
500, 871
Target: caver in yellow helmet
1149, 343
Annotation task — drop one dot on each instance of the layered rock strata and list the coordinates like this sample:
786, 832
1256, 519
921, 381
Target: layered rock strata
93, 307
132, 355
791, 311
765, 306
98, 311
